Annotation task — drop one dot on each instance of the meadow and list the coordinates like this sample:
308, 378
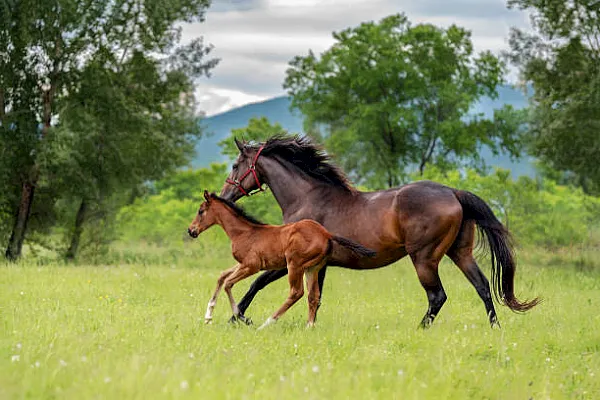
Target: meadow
136, 331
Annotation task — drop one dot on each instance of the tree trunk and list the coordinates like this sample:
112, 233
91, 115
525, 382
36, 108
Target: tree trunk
15, 243
79, 220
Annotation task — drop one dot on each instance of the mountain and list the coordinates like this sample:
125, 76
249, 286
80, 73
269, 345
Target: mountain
277, 109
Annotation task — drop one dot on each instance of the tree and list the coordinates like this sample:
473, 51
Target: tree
49, 49
393, 97
258, 129
561, 61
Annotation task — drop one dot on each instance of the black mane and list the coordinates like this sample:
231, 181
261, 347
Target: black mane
308, 157
238, 210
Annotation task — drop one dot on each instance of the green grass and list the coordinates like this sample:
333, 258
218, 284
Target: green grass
137, 332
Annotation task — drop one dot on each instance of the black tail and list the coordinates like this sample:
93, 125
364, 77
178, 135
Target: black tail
501, 249
353, 246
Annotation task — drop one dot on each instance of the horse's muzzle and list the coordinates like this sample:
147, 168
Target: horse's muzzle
193, 233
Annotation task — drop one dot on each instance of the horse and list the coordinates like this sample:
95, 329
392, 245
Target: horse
303, 247
424, 220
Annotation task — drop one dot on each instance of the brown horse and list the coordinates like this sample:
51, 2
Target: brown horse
424, 219
303, 247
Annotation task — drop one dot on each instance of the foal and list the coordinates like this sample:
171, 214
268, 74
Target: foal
303, 247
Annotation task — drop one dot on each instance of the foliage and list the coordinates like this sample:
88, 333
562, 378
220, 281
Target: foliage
393, 96
89, 94
163, 216
561, 60
258, 130
540, 213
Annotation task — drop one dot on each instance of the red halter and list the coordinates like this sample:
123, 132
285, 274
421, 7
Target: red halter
252, 169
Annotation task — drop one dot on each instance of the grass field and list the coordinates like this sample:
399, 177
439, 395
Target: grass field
137, 332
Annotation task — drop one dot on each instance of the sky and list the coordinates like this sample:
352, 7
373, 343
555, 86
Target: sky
256, 39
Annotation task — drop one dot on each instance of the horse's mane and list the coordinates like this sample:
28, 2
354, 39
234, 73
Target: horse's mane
238, 210
307, 157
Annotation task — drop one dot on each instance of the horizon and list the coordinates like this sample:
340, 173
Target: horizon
255, 39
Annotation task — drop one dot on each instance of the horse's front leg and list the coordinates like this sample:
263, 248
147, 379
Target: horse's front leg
242, 272
213, 300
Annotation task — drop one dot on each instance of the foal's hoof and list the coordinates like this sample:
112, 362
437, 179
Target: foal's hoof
208, 321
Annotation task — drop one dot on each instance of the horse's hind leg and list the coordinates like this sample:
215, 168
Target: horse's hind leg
462, 255
427, 271
426, 261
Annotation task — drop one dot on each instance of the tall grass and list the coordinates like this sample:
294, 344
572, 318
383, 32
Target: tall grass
137, 331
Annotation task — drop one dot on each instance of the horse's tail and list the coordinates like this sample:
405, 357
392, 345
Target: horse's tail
353, 246
500, 246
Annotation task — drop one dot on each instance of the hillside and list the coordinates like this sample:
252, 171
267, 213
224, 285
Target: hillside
277, 109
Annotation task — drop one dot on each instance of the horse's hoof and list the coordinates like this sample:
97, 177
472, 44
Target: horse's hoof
208, 321
495, 324
310, 325
235, 319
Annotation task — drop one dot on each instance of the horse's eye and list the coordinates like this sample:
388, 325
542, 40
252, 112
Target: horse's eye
235, 166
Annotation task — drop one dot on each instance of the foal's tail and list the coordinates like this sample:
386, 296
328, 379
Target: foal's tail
501, 249
353, 246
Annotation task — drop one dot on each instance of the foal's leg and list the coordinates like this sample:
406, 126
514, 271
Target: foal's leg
314, 293
213, 300
242, 272
296, 292
259, 283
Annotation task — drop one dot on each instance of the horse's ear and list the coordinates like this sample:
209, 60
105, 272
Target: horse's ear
240, 145
206, 195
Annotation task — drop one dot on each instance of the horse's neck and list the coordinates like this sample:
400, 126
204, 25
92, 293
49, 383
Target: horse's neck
293, 191
233, 226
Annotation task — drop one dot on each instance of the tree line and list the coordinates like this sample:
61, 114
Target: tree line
97, 100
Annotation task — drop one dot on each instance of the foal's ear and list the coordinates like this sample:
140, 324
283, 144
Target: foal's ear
240, 145
206, 195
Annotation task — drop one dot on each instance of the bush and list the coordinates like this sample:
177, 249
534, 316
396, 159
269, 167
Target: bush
537, 212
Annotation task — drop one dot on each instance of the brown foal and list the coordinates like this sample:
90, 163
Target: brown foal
303, 247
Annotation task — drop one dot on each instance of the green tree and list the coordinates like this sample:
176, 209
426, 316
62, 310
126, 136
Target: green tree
561, 61
258, 130
84, 63
390, 97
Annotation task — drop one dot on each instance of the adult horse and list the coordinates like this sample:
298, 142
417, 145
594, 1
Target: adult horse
424, 219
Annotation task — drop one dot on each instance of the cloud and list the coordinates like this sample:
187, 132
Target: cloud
256, 39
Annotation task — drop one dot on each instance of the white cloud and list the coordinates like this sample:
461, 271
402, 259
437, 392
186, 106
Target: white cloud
256, 39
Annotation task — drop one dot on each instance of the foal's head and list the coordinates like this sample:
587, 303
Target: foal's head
206, 216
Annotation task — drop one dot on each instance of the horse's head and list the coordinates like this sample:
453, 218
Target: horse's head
245, 177
205, 217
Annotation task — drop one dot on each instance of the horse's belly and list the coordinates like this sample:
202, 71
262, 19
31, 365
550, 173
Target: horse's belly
346, 259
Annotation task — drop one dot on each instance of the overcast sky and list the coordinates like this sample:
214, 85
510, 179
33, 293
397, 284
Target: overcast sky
256, 39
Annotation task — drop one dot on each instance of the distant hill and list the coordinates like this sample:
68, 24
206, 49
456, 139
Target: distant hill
277, 109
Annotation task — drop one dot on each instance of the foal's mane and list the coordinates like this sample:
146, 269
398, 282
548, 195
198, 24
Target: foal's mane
239, 211
307, 157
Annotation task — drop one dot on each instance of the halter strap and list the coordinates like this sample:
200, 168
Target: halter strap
237, 182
